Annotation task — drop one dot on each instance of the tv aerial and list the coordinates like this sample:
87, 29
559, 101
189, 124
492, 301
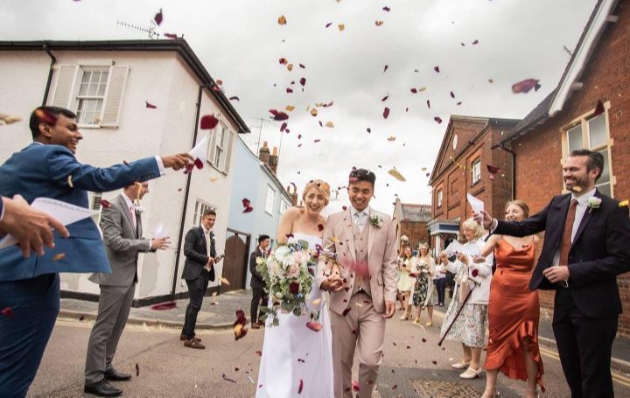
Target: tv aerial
151, 31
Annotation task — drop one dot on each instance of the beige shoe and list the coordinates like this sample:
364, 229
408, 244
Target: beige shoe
460, 365
470, 373
429, 323
405, 317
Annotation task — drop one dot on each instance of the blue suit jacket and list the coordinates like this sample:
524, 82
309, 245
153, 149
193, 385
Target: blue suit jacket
43, 171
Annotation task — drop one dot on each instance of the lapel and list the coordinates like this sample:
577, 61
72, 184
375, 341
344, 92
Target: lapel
585, 220
371, 229
127, 213
349, 236
561, 209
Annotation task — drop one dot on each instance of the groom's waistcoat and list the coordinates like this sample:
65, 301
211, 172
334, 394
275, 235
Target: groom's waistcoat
361, 256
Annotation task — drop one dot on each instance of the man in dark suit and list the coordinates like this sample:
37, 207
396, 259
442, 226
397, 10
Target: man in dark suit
30, 286
121, 224
257, 282
587, 244
32, 228
201, 256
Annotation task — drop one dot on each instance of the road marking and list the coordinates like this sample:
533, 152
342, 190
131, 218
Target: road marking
617, 378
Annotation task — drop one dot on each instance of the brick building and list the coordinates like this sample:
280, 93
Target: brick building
461, 167
411, 221
588, 109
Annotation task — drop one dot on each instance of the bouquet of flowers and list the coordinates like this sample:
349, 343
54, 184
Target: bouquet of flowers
288, 279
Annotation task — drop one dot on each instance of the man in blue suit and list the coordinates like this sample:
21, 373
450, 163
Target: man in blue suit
585, 248
32, 228
30, 286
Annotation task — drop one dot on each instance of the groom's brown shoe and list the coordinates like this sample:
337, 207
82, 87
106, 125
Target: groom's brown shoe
194, 344
182, 337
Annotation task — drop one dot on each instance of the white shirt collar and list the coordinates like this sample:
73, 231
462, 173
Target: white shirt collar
583, 199
128, 201
354, 211
205, 231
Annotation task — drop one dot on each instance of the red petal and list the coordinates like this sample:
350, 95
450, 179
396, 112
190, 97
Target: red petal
328, 24
301, 386
259, 353
316, 141
320, 227
150, 106
164, 306
369, 130
452, 95
158, 18
283, 126
386, 9
459, 103
344, 208
137, 370
386, 112
491, 177
278, 116
105, 203
385, 98
198, 163
289, 90
171, 35
475, 42
355, 386
599, 109
395, 386
299, 136
429, 104
302, 66
46, 117
434, 362
234, 98
345, 312
525, 86
8, 312
493, 169
438, 119
228, 379
414, 90
248, 209
385, 68
303, 81
283, 61
208, 122
246, 202
437, 69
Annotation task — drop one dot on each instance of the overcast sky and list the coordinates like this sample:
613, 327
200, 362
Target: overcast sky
241, 42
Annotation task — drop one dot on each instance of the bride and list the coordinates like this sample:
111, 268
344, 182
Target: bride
295, 359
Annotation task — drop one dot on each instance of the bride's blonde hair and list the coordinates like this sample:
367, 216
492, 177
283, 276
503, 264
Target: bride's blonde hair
321, 186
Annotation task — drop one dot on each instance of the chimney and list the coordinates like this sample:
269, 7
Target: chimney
273, 160
293, 194
263, 153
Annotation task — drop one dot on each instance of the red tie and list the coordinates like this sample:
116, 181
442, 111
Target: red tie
565, 246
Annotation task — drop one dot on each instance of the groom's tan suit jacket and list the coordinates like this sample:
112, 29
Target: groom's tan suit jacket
381, 246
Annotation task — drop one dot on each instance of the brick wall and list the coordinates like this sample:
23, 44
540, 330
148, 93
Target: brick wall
416, 232
539, 153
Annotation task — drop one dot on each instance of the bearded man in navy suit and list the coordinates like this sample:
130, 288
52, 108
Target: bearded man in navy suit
30, 286
587, 244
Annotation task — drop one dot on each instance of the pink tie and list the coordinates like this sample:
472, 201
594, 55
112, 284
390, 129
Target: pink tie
132, 210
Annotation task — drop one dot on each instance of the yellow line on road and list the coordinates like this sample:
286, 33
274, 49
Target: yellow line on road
617, 378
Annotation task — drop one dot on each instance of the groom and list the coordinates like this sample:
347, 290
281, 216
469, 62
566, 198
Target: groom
364, 294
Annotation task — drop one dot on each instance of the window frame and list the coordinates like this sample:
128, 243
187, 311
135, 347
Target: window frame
78, 98
440, 198
583, 122
220, 145
476, 171
200, 206
269, 205
95, 204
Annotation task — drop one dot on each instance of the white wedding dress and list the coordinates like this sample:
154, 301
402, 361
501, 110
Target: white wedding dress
293, 354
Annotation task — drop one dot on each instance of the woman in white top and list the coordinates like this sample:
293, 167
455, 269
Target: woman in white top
405, 282
469, 328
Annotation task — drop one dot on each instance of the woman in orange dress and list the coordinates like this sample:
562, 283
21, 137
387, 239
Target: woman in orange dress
513, 310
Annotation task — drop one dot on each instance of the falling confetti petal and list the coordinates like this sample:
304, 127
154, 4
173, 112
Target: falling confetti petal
137, 370
369, 130
475, 42
301, 386
208, 122
429, 104
623, 203
283, 61
526, 86
172, 36
290, 67
396, 174
314, 326
228, 379
328, 24
234, 98
599, 109
385, 68
386, 112
452, 94
391, 138
8, 312
150, 106
278, 116
493, 169
341, 27
164, 306
314, 112
330, 125
303, 81
437, 69
289, 108
59, 256
239, 324
158, 18
438, 119
247, 205
282, 20
386, 9
105, 203
378, 23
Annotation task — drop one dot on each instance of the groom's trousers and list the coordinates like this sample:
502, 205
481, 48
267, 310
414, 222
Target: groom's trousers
362, 329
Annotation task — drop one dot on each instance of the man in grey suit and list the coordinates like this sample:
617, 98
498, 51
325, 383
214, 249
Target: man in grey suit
122, 232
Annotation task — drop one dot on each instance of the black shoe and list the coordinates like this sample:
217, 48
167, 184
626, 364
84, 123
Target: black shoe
102, 389
114, 375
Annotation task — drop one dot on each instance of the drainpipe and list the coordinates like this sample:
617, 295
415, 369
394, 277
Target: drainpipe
186, 193
500, 146
53, 61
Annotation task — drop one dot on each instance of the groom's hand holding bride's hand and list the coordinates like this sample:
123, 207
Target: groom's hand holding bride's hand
334, 283
390, 309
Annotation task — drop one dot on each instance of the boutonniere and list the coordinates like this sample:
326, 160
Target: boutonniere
212, 238
139, 209
376, 221
593, 203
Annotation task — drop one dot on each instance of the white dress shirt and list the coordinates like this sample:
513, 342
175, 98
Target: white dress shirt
359, 217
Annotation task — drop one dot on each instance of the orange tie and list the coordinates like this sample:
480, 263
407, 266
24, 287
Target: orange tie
565, 246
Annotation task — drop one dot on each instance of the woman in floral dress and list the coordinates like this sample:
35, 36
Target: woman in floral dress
469, 328
405, 282
422, 296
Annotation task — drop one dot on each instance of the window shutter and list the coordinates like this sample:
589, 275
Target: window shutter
228, 151
66, 76
213, 146
114, 95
